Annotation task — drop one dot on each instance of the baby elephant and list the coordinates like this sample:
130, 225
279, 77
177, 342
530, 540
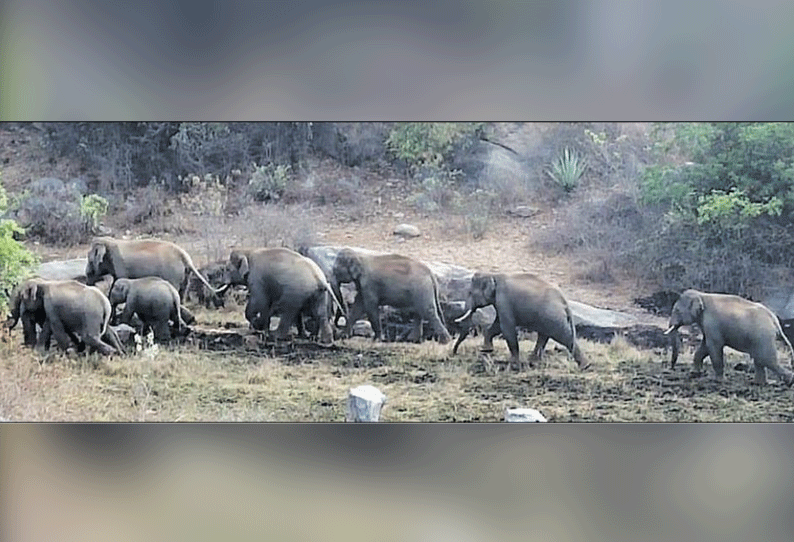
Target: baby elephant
729, 320
153, 299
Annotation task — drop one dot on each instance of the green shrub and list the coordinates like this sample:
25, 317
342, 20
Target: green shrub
567, 170
268, 182
93, 209
16, 262
428, 144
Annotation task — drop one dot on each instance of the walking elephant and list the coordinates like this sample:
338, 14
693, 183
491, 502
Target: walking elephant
524, 300
154, 300
75, 313
142, 258
20, 311
389, 279
730, 320
281, 282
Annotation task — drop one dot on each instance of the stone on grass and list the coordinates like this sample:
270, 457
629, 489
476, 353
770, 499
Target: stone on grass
523, 415
364, 404
407, 230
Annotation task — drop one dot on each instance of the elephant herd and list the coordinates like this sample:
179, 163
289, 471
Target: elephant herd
151, 278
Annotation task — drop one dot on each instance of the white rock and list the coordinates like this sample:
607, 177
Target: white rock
407, 230
364, 404
523, 415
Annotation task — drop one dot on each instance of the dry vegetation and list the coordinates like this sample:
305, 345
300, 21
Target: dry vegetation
301, 381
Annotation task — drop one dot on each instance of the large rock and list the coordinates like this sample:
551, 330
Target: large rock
63, 269
453, 282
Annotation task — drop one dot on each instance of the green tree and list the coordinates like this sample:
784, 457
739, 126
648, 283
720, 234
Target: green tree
16, 262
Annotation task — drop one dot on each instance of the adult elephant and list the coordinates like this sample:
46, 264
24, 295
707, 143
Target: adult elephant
281, 281
74, 312
524, 300
142, 258
389, 279
20, 311
154, 300
730, 320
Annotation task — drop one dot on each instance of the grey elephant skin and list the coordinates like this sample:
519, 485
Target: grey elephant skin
281, 282
154, 300
524, 300
75, 313
730, 320
389, 279
20, 311
142, 258
214, 274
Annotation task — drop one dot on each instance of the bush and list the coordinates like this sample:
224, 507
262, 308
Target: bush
429, 144
727, 190
93, 209
567, 170
268, 182
16, 262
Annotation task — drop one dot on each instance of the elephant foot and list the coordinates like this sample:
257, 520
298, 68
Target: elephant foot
695, 374
486, 349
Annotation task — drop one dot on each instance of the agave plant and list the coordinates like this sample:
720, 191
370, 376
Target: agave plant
567, 170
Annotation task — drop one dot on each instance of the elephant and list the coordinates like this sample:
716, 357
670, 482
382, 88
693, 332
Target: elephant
214, 273
74, 313
154, 300
281, 281
524, 300
730, 320
19, 311
142, 258
389, 279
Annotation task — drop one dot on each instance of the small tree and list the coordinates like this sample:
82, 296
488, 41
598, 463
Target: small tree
16, 262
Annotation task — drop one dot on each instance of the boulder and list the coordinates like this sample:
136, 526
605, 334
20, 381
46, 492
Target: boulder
453, 282
364, 404
523, 415
63, 269
407, 231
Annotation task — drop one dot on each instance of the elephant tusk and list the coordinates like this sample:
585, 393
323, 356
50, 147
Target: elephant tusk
670, 330
466, 315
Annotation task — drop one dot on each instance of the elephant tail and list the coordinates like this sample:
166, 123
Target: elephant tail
569, 318
783, 335
437, 301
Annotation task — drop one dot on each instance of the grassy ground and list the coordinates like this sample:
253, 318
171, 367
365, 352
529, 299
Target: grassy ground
248, 380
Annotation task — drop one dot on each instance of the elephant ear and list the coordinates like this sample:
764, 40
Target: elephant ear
31, 294
696, 305
489, 287
242, 266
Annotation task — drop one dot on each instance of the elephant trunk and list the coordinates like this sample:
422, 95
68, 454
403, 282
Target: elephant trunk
335, 286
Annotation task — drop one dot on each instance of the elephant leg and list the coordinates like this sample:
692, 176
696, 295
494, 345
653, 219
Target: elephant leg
29, 329
321, 321
373, 314
112, 338
494, 330
537, 353
58, 331
187, 316
162, 332
94, 342
701, 352
286, 319
717, 362
769, 361
511, 336
46, 335
760, 374
417, 332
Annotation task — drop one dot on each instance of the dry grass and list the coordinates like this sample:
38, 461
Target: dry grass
421, 382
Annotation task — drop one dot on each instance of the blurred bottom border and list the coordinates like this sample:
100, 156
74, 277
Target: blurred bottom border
411, 482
